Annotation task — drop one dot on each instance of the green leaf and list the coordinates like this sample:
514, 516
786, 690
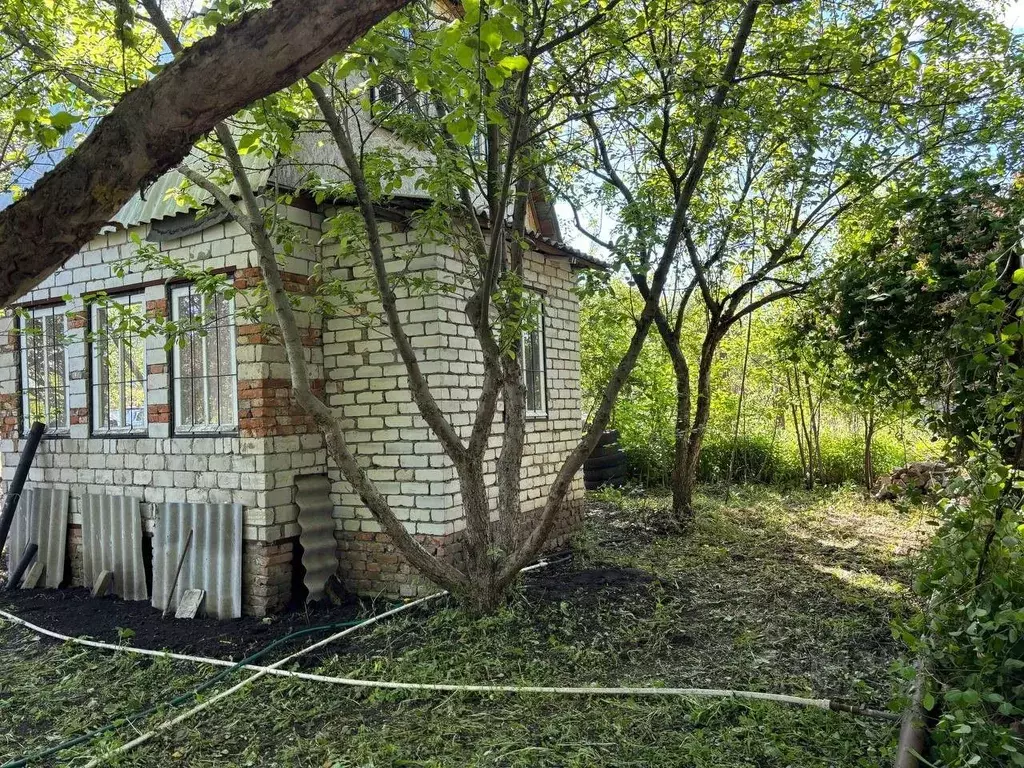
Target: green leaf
62, 121
466, 56
514, 63
490, 34
495, 76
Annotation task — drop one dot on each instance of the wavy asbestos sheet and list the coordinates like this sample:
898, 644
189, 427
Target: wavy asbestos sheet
213, 561
316, 532
112, 541
42, 517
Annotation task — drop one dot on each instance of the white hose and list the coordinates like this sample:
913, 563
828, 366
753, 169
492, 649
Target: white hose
274, 669
247, 681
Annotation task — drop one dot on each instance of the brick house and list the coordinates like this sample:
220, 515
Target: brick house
212, 419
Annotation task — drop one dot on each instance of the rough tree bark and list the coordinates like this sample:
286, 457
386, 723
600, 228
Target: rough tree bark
153, 127
249, 215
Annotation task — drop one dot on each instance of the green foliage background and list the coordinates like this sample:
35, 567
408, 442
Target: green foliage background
765, 448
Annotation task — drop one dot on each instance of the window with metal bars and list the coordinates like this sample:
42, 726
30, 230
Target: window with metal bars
535, 369
44, 368
118, 367
204, 370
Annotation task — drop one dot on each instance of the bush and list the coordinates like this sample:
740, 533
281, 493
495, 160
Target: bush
762, 459
971, 632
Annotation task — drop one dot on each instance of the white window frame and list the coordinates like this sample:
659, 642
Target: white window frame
26, 415
208, 427
96, 360
542, 412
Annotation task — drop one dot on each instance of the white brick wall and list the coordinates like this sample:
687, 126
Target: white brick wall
364, 379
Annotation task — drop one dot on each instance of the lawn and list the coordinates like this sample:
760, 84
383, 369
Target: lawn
782, 592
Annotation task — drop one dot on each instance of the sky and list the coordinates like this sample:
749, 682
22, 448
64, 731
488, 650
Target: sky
1014, 15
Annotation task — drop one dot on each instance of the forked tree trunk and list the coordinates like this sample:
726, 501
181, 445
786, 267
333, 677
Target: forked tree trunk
689, 443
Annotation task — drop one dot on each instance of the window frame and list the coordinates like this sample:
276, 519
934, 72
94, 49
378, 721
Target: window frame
542, 412
178, 429
129, 297
25, 422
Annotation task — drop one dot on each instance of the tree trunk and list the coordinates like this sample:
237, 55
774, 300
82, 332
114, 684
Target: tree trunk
682, 487
808, 441
869, 435
154, 126
796, 427
689, 444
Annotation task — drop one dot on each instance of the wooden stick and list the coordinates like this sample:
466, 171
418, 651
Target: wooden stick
177, 573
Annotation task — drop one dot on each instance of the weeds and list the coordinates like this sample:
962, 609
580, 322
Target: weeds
742, 603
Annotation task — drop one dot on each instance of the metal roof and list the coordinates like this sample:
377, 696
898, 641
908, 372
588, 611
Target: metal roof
157, 200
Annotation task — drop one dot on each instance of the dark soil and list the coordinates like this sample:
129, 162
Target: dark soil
562, 581
73, 612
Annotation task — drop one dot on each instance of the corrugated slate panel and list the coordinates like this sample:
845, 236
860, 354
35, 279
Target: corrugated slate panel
112, 541
158, 205
42, 517
316, 531
213, 561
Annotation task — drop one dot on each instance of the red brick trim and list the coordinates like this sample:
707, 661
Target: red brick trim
158, 414
266, 408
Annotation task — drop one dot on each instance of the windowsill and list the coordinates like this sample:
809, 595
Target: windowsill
113, 434
51, 434
223, 432
535, 416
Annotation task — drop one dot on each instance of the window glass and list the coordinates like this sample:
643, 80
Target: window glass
119, 367
205, 375
44, 374
534, 369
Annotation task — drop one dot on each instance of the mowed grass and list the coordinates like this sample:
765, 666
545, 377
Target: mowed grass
789, 593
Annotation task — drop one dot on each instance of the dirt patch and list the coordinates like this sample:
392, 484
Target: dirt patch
562, 581
73, 612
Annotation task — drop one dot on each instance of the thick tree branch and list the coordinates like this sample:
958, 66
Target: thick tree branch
417, 382
153, 127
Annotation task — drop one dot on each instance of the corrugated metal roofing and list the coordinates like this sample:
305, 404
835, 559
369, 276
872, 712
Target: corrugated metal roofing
112, 541
155, 204
213, 561
316, 531
42, 517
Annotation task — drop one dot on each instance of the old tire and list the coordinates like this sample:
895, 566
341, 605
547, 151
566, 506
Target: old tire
612, 459
604, 450
608, 473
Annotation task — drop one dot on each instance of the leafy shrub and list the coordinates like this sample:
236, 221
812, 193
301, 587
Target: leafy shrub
972, 629
762, 459
765, 449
